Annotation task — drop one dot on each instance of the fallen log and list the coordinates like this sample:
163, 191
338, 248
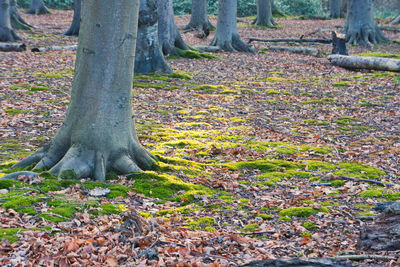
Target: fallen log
12, 47
371, 63
54, 48
390, 29
207, 48
294, 262
298, 50
288, 40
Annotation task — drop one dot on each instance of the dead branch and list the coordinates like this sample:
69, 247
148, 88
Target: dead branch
372, 63
298, 50
12, 47
54, 48
288, 40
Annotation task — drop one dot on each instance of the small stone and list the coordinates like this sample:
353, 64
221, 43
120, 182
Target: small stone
99, 192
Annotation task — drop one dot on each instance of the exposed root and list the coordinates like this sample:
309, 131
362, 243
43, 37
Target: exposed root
365, 36
8, 35
205, 26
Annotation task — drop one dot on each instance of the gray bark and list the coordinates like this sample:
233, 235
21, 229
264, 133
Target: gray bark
335, 7
149, 57
298, 50
6, 32
76, 21
98, 133
12, 47
264, 13
360, 25
16, 21
227, 35
168, 34
37, 7
372, 63
199, 19
395, 21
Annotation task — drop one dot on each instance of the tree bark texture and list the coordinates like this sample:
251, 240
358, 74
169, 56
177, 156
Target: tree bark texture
149, 57
16, 21
12, 47
199, 19
297, 50
395, 21
264, 14
168, 34
98, 132
76, 21
227, 35
335, 7
360, 25
37, 7
372, 63
6, 32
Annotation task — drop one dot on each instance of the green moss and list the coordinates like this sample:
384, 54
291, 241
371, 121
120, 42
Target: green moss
10, 234
309, 225
358, 170
52, 75
265, 216
52, 218
17, 202
49, 185
38, 88
203, 221
15, 111
92, 185
262, 165
340, 84
20, 86
306, 234
323, 101
250, 228
272, 92
117, 190
194, 54
8, 183
381, 193
68, 175
65, 211
301, 211
210, 229
209, 88
337, 183
180, 75
384, 55
285, 218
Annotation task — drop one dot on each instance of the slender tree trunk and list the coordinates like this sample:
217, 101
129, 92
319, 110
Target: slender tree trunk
76, 21
16, 21
149, 57
98, 132
360, 24
335, 7
227, 36
6, 32
37, 7
264, 14
199, 19
168, 34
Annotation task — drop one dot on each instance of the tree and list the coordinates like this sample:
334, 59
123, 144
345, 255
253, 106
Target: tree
149, 57
76, 21
6, 32
98, 132
360, 25
264, 13
199, 19
16, 21
335, 7
227, 35
37, 7
168, 34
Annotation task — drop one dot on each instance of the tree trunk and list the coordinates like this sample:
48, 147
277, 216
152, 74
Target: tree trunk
168, 34
16, 21
360, 24
335, 7
76, 21
37, 7
227, 36
6, 32
149, 57
199, 19
98, 133
372, 63
264, 14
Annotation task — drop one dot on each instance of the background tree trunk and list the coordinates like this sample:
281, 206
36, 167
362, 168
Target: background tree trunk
76, 21
199, 19
360, 24
264, 13
227, 36
37, 7
335, 7
98, 132
168, 34
149, 57
16, 21
6, 32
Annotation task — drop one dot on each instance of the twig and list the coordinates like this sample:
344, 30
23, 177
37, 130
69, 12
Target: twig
217, 256
155, 242
363, 257
288, 40
170, 243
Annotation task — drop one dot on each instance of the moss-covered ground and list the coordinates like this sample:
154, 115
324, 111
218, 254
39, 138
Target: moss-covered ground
245, 143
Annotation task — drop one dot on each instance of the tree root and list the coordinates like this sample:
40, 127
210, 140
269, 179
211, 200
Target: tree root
15, 175
365, 36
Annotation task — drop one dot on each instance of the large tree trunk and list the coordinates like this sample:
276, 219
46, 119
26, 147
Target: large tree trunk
37, 7
335, 7
149, 57
264, 14
98, 133
6, 32
76, 21
360, 24
168, 34
199, 19
16, 21
227, 35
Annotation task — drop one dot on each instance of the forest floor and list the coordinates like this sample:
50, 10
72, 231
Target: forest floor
256, 152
